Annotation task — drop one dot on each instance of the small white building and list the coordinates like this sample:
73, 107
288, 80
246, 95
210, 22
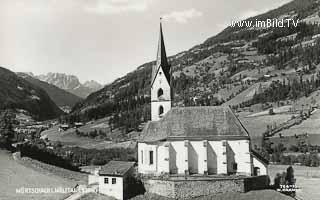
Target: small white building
113, 178
191, 140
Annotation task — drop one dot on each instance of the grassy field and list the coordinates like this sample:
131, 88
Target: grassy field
14, 176
291, 140
307, 179
310, 126
256, 126
70, 138
95, 196
253, 195
246, 95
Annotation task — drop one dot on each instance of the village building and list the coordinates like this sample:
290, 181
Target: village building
114, 179
203, 148
192, 141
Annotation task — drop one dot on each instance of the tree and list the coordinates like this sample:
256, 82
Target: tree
290, 180
6, 128
290, 176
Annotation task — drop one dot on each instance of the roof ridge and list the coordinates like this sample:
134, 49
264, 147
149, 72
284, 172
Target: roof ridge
195, 121
238, 120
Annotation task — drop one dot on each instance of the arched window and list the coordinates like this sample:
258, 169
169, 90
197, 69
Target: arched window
161, 110
160, 92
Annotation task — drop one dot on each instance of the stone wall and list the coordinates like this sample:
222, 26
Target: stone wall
190, 188
256, 183
160, 187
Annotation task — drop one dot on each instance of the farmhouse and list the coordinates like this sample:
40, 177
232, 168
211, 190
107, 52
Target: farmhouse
192, 141
114, 179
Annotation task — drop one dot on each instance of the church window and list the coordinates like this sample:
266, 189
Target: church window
114, 180
151, 157
142, 157
235, 166
161, 110
160, 92
106, 180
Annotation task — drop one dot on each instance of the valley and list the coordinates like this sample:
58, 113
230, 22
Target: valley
101, 137
268, 78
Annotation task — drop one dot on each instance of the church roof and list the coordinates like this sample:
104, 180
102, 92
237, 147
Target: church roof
162, 60
210, 122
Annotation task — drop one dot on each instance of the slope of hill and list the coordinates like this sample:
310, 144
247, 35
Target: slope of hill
59, 96
252, 195
223, 62
70, 83
15, 92
15, 176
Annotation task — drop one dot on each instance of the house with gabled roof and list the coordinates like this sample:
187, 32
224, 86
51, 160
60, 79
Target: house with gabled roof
114, 179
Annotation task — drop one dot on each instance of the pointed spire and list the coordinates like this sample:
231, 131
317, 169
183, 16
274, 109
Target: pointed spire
162, 60
162, 55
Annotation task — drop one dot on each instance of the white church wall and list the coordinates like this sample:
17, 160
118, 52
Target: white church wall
240, 154
155, 106
197, 156
217, 162
263, 170
163, 158
144, 165
178, 157
160, 82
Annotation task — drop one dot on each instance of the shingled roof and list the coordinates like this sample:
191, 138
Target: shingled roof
116, 168
195, 123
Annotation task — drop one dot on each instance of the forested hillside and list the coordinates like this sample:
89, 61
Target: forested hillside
59, 96
252, 62
17, 93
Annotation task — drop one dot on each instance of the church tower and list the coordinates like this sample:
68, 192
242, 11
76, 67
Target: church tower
160, 83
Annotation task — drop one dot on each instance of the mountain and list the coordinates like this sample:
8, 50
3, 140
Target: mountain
60, 97
239, 67
17, 93
94, 85
70, 83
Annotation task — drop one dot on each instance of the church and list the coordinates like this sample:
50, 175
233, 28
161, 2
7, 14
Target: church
189, 141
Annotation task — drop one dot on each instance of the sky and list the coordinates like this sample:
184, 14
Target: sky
105, 39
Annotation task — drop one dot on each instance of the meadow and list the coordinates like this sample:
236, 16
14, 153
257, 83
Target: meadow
307, 179
14, 175
70, 138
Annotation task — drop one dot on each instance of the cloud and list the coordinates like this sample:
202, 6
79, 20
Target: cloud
117, 6
182, 16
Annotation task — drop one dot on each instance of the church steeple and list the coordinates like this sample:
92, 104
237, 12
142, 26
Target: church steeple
162, 60
160, 82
